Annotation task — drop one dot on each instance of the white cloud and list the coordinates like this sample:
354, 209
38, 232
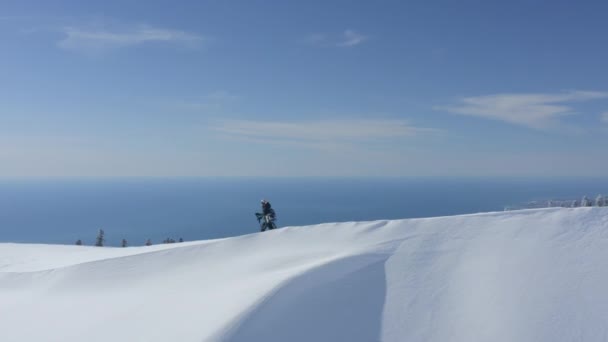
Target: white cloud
349, 38
531, 110
319, 133
95, 40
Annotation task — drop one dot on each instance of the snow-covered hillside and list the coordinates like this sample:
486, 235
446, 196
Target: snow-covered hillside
532, 275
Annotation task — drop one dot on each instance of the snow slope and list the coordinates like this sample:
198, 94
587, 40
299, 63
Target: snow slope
531, 275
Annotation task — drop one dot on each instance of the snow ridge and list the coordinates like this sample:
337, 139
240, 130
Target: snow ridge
530, 275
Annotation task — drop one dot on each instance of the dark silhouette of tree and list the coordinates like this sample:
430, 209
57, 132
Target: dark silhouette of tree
148, 242
78, 242
100, 238
181, 240
123, 243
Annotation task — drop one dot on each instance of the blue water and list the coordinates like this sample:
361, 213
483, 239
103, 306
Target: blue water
67, 210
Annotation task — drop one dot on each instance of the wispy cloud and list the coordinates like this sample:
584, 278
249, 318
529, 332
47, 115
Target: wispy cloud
97, 40
352, 38
348, 38
319, 133
531, 110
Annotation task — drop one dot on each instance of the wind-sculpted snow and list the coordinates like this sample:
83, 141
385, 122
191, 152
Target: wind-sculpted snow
531, 275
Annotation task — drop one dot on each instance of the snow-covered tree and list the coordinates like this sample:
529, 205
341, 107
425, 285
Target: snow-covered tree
600, 201
100, 238
123, 243
585, 202
574, 204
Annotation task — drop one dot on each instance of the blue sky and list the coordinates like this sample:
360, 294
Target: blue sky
303, 88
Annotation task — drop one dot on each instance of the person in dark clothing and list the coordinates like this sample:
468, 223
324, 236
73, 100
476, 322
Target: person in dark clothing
267, 216
267, 209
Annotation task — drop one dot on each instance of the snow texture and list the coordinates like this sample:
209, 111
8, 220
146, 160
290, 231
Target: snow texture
530, 275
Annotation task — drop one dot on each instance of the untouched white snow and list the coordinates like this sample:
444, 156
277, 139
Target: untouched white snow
532, 275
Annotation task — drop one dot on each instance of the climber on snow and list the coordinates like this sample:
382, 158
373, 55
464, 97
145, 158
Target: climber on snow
267, 217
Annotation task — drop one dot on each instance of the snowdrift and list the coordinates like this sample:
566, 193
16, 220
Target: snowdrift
531, 275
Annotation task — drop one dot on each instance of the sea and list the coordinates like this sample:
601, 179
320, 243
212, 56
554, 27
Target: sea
64, 211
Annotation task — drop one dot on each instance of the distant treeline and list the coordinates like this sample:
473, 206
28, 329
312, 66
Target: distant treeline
600, 201
100, 240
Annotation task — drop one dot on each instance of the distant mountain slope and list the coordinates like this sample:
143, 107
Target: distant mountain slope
531, 275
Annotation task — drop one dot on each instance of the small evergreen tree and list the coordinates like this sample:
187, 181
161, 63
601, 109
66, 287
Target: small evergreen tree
123, 243
100, 238
600, 201
181, 240
78, 242
148, 242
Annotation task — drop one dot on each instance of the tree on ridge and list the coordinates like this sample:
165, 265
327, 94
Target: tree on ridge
100, 238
